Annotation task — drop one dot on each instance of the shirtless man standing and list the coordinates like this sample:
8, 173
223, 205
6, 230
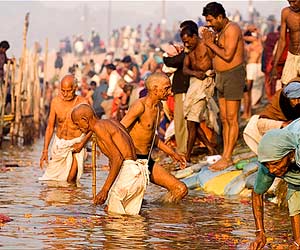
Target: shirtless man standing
254, 50
64, 164
198, 65
228, 46
126, 182
290, 22
142, 120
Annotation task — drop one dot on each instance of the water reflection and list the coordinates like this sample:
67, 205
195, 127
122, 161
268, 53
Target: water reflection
52, 215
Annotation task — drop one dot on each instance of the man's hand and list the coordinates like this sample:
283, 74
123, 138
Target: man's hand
101, 197
259, 242
208, 36
179, 158
77, 147
200, 75
44, 157
273, 73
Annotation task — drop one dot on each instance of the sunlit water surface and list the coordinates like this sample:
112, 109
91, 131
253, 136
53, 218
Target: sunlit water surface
60, 216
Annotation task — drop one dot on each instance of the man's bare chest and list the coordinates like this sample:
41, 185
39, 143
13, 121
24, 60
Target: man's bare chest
293, 22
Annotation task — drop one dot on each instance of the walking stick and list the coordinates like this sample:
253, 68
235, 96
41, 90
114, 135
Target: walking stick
94, 181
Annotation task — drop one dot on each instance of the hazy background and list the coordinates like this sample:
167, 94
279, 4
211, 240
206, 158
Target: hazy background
57, 19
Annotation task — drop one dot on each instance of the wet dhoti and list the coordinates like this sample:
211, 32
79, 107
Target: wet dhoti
127, 192
61, 160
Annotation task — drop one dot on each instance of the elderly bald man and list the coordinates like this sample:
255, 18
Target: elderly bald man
67, 154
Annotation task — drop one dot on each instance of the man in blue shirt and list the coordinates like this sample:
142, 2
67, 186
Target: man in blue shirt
278, 156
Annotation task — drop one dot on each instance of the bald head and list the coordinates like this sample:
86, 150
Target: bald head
82, 111
155, 79
69, 80
68, 86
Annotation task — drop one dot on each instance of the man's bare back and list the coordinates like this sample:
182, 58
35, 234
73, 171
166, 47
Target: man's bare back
114, 131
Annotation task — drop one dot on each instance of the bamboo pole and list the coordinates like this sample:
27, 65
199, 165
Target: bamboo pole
36, 94
13, 99
3, 100
43, 111
20, 80
94, 180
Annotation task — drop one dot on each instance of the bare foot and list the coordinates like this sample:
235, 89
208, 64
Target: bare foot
246, 116
220, 165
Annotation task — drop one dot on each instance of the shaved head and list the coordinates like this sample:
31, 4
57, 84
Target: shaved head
82, 110
155, 79
69, 80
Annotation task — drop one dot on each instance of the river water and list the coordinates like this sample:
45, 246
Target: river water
57, 216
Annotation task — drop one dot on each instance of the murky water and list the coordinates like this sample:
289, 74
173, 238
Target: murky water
56, 216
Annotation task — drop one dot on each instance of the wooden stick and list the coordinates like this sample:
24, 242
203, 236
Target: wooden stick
3, 100
20, 79
13, 99
94, 181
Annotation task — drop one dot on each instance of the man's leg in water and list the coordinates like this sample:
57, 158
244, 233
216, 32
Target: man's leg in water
176, 189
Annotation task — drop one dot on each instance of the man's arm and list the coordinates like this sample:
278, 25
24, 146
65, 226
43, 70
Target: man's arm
262, 183
115, 162
187, 71
281, 41
174, 61
176, 157
135, 111
48, 133
231, 39
77, 147
258, 212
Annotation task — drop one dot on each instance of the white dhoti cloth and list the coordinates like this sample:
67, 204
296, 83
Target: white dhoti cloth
251, 134
256, 128
291, 68
199, 103
127, 192
61, 160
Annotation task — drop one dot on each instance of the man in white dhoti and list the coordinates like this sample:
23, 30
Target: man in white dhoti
67, 153
128, 177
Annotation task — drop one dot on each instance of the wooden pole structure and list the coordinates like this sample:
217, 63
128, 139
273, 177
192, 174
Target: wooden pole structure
43, 111
94, 180
13, 98
36, 94
20, 80
3, 92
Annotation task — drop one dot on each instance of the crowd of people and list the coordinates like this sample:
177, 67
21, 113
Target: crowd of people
201, 85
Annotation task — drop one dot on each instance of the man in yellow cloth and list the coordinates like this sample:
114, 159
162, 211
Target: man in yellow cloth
128, 177
67, 153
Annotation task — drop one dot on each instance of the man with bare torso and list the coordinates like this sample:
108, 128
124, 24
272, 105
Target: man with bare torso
290, 22
64, 164
228, 46
198, 65
253, 59
142, 121
126, 182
